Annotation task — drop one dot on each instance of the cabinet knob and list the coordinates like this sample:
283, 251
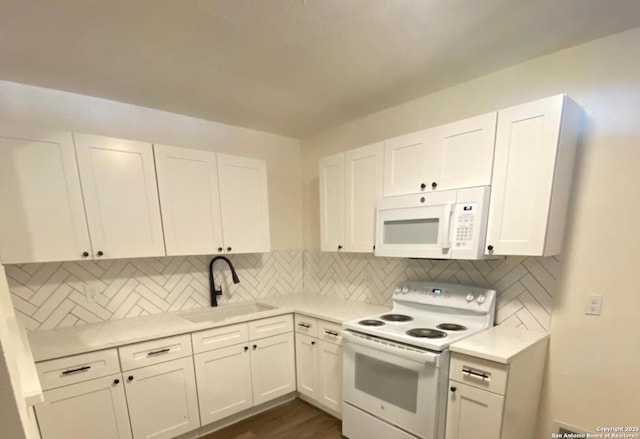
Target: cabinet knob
85, 254
116, 381
490, 248
422, 200
100, 253
130, 378
453, 389
313, 342
422, 185
255, 346
228, 249
339, 247
434, 185
246, 348
220, 249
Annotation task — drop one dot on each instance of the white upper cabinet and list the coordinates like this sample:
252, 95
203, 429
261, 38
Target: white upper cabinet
244, 204
43, 212
363, 185
535, 148
331, 182
350, 184
189, 200
121, 197
452, 156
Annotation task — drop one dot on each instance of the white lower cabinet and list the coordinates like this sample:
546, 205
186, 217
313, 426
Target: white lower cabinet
272, 367
224, 387
471, 411
162, 399
94, 409
319, 362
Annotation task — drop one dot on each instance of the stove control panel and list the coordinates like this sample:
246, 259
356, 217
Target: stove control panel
464, 297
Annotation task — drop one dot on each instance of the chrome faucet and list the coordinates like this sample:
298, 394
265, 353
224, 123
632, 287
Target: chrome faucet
212, 285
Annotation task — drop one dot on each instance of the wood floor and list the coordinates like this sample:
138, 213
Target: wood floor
293, 420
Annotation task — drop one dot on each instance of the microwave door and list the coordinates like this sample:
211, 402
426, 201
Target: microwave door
419, 232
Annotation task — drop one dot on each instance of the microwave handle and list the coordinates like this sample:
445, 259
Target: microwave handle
445, 231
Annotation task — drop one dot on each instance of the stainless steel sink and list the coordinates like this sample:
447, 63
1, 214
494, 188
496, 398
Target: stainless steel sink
224, 312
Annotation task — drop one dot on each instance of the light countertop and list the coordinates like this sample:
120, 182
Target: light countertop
47, 345
500, 343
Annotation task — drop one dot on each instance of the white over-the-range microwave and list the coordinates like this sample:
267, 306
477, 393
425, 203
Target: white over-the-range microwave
437, 225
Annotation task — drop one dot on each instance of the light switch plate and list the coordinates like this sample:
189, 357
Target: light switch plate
594, 305
90, 291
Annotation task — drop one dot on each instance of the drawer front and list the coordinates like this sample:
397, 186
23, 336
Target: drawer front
476, 372
154, 351
271, 326
329, 331
71, 370
210, 339
306, 325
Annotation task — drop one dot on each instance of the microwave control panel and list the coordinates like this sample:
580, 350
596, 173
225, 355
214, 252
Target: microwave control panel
465, 219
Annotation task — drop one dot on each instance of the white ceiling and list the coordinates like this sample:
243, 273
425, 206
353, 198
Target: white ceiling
292, 67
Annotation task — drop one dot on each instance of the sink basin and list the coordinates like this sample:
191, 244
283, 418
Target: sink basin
224, 312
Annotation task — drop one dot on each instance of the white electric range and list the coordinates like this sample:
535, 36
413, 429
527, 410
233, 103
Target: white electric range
396, 365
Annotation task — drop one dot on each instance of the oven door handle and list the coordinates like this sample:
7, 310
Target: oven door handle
389, 347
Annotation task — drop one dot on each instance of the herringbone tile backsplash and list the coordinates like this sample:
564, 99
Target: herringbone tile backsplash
51, 295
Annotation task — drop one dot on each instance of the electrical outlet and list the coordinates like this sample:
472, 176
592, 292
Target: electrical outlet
90, 291
594, 305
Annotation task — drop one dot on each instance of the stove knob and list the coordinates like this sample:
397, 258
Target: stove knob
405, 290
480, 299
470, 297
397, 290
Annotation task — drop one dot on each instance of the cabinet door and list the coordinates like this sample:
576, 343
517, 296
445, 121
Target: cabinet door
330, 375
244, 203
465, 148
407, 162
332, 202
526, 157
307, 365
224, 384
43, 213
272, 367
94, 409
364, 178
121, 196
188, 188
162, 399
473, 413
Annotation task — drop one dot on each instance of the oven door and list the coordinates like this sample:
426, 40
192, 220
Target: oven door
405, 229
404, 387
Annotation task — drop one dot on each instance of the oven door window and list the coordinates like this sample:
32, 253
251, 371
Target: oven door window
387, 382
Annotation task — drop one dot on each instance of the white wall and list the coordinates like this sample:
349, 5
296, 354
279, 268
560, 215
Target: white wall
56, 109
591, 379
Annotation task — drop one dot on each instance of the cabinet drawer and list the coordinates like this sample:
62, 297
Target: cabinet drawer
306, 325
219, 337
329, 331
479, 373
271, 326
71, 370
154, 351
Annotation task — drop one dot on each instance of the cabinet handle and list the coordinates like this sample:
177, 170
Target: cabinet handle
422, 185
434, 185
85, 254
130, 378
255, 346
313, 342
161, 351
339, 247
333, 333
490, 248
116, 381
374, 247
246, 348
220, 249
304, 325
453, 389
80, 369
100, 253
228, 249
